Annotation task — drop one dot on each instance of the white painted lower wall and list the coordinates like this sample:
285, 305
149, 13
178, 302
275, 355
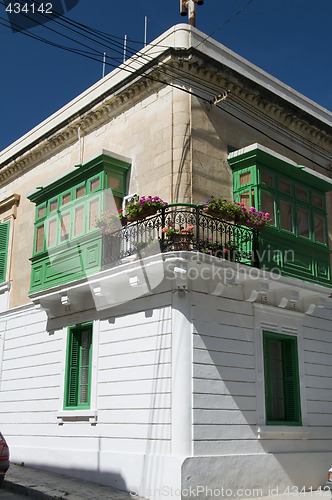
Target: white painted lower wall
177, 396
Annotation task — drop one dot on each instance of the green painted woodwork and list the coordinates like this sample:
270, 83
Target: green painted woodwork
4, 236
67, 244
78, 367
282, 388
297, 244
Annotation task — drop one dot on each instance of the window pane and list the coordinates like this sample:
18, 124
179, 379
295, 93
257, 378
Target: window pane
93, 213
285, 187
245, 178
301, 194
267, 179
53, 205
51, 233
276, 377
320, 234
286, 216
114, 183
66, 199
94, 184
41, 211
79, 221
40, 238
303, 222
80, 191
244, 198
282, 390
65, 222
317, 200
268, 206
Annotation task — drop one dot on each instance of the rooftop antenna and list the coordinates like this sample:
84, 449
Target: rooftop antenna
104, 64
124, 48
189, 7
145, 29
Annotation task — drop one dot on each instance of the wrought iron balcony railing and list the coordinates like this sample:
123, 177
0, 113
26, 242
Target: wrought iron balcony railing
193, 230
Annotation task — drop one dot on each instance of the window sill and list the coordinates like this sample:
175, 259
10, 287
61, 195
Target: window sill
5, 286
90, 416
282, 432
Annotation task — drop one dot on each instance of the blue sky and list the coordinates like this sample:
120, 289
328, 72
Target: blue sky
290, 39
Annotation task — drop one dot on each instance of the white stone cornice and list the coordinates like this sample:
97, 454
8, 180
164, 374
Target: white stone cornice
68, 134
278, 111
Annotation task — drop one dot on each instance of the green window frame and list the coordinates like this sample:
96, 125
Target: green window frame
303, 213
78, 367
74, 196
281, 376
307, 215
4, 237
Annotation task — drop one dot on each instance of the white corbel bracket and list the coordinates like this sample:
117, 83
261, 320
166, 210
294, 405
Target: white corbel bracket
261, 295
292, 302
319, 303
181, 278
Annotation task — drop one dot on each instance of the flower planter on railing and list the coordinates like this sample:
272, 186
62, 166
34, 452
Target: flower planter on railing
146, 212
237, 211
140, 208
218, 214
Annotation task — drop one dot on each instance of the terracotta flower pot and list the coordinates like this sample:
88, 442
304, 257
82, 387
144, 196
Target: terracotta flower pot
182, 241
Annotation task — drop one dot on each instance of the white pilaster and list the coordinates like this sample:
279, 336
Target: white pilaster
182, 366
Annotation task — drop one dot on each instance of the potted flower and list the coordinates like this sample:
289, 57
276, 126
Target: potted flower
138, 208
111, 220
181, 238
238, 212
222, 209
252, 218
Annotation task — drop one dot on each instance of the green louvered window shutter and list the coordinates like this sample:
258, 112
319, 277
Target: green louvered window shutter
282, 393
291, 383
4, 234
78, 369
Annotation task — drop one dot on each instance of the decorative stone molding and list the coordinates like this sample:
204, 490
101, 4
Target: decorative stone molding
67, 135
11, 203
279, 111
